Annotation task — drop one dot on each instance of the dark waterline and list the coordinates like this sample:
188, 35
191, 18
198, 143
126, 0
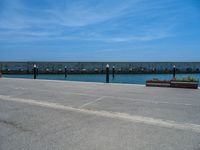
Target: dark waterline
119, 78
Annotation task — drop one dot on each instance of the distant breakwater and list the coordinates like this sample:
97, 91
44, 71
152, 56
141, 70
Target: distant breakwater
98, 67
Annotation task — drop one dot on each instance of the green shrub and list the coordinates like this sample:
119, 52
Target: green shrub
189, 78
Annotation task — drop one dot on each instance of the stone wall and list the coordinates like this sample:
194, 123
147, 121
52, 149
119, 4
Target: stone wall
99, 67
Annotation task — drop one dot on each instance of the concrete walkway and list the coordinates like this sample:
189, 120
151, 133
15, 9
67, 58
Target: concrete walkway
41, 114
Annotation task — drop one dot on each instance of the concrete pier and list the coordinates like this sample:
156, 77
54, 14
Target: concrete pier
42, 114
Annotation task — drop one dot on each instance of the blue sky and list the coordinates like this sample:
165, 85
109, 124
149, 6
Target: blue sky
100, 30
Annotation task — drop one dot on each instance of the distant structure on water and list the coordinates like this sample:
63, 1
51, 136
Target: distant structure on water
98, 67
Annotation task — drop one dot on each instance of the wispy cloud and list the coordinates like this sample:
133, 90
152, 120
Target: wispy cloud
104, 21
20, 19
17, 14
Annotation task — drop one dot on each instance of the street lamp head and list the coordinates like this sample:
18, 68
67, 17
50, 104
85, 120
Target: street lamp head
34, 66
174, 66
107, 66
113, 67
65, 67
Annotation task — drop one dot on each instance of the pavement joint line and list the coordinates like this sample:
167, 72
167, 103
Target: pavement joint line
114, 97
75, 93
115, 115
148, 101
81, 94
82, 82
94, 101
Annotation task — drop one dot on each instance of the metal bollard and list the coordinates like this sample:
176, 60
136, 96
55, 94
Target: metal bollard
174, 72
107, 73
65, 71
34, 71
113, 72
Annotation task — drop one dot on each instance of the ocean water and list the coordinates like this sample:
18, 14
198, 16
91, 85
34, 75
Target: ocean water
119, 78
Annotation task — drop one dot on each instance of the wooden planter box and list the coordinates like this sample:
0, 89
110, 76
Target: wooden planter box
173, 83
184, 84
158, 83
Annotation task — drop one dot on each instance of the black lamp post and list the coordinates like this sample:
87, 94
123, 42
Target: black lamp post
37, 70
65, 71
113, 72
34, 71
174, 72
107, 73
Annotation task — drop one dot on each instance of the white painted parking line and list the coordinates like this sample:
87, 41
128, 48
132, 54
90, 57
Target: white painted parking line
94, 101
115, 115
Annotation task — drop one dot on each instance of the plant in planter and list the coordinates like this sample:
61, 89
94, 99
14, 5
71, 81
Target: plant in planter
191, 79
188, 82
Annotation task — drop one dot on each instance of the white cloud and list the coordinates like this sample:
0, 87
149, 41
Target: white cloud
47, 24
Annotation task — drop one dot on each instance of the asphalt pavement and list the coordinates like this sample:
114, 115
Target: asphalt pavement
68, 115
